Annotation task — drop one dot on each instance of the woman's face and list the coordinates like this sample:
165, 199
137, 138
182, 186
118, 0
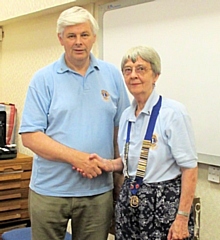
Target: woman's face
139, 77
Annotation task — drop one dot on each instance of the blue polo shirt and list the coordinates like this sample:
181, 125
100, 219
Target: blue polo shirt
79, 112
173, 140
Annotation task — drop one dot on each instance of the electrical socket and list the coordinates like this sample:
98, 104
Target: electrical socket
214, 174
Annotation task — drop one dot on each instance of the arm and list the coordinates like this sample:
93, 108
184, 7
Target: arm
179, 228
108, 165
52, 150
118, 176
116, 151
115, 165
189, 180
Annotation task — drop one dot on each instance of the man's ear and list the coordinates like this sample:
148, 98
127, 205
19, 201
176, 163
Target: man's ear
59, 35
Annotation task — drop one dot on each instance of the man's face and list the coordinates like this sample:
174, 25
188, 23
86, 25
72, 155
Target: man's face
77, 41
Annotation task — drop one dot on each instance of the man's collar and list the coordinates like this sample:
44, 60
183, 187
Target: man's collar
62, 67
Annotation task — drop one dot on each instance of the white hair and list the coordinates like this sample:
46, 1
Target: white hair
76, 15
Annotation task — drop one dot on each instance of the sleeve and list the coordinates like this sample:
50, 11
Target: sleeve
36, 107
181, 139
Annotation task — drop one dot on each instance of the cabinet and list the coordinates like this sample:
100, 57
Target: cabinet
14, 186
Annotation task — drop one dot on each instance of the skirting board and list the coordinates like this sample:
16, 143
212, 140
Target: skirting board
209, 159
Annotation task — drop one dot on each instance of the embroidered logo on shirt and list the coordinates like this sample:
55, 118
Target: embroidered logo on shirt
105, 95
154, 141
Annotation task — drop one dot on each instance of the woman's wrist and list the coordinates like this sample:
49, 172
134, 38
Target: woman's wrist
109, 165
182, 213
113, 166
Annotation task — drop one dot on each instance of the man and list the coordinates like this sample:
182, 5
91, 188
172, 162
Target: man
72, 109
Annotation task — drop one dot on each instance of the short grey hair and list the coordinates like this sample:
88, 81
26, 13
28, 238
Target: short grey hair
76, 15
148, 54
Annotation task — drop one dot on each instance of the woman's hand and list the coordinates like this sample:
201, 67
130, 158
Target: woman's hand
102, 163
179, 229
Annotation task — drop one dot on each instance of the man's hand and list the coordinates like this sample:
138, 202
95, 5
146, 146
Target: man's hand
86, 166
103, 163
100, 163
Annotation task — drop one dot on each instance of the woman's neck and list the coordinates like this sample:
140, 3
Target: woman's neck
141, 101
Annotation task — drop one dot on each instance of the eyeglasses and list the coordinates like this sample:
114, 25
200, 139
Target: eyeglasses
139, 70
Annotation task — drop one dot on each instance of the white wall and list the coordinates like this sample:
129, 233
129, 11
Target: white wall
14, 8
186, 34
31, 44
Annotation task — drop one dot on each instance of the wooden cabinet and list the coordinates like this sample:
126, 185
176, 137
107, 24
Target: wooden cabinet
14, 186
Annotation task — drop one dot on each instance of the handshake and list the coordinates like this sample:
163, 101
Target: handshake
93, 165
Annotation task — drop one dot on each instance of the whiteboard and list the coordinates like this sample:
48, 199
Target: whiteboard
186, 34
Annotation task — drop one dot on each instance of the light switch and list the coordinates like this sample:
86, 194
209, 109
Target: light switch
1, 34
214, 174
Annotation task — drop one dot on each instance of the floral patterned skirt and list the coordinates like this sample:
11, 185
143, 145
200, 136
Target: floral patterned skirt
151, 220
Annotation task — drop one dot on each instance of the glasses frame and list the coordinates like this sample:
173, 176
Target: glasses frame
139, 70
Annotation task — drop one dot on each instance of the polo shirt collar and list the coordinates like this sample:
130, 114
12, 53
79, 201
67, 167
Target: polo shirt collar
152, 100
62, 67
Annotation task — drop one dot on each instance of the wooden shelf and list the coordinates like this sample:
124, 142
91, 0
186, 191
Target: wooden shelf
14, 187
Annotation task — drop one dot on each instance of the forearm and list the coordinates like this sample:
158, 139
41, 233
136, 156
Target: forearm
52, 150
116, 150
189, 180
48, 148
179, 228
117, 165
108, 165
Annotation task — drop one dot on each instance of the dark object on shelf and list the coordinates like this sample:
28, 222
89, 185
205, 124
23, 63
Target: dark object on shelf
7, 151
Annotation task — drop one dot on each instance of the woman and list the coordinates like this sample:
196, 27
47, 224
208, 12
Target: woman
158, 157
